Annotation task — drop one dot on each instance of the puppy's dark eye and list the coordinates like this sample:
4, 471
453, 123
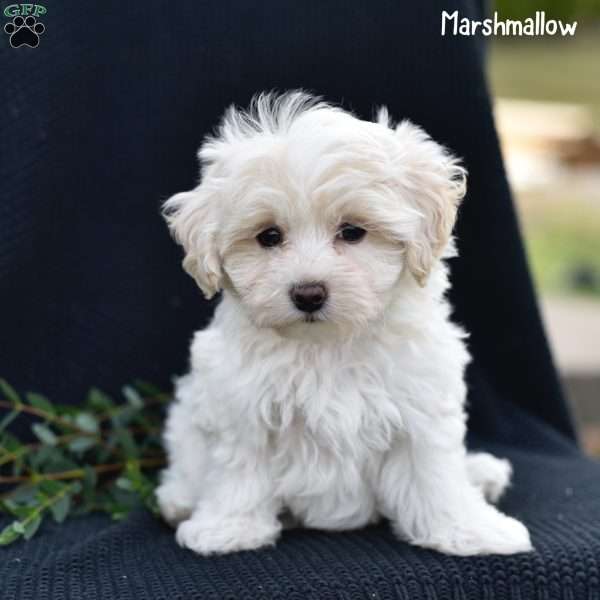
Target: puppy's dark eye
270, 237
351, 233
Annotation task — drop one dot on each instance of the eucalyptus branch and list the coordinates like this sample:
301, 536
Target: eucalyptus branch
26, 448
65, 439
79, 473
28, 526
36, 412
102, 455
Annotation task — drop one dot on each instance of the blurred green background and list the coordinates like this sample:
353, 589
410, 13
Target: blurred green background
547, 105
580, 10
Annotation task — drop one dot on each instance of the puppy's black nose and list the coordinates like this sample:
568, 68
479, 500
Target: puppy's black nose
309, 297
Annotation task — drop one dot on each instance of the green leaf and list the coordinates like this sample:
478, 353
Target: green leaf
88, 499
44, 434
62, 464
60, 509
46, 458
9, 534
81, 444
8, 419
31, 526
124, 500
40, 402
17, 467
24, 493
125, 484
117, 503
50, 487
133, 397
18, 527
10, 392
130, 435
25, 511
76, 487
148, 389
8, 505
127, 442
86, 422
64, 424
123, 416
99, 401
90, 478
151, 503
9, 441
10, 448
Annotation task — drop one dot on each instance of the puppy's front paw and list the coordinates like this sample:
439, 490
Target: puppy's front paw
174, 502
492, 533
231, 534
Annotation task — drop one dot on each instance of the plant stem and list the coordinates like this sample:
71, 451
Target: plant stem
10, 456
65, 439
80, 473
46, 504
149, 401
42, 414
26, 448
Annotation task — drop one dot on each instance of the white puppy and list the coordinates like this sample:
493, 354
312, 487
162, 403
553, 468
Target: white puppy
330, 381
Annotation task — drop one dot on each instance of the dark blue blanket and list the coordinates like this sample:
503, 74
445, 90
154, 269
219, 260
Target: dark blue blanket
100, 123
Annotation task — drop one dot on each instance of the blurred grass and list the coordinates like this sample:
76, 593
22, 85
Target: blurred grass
561, 225
563, 243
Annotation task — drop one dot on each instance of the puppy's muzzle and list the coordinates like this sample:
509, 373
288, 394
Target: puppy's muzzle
309, 297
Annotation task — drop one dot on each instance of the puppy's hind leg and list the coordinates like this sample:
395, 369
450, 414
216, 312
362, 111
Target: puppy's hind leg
490, 474
425, 490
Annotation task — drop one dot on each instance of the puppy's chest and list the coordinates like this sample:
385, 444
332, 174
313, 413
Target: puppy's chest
338, 414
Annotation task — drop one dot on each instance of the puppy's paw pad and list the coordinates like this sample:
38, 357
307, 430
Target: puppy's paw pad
222, 536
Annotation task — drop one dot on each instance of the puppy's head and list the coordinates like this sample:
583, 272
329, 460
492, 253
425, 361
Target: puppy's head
307, 215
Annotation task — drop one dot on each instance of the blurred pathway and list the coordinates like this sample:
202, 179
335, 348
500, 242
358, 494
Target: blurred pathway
573, 326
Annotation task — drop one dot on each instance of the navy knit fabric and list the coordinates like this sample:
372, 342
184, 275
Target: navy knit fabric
100, 124
555, 492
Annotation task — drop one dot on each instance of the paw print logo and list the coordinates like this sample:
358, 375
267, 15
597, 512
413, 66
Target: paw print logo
24, 32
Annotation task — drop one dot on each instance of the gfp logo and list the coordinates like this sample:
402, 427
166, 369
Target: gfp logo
24, 29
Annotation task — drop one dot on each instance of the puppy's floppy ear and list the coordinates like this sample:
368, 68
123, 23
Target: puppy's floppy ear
434, 182
192, 220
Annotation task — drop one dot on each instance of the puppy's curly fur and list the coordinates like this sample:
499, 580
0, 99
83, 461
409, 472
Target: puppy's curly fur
353, 408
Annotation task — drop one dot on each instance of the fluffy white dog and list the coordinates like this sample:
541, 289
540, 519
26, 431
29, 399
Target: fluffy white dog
330, 383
